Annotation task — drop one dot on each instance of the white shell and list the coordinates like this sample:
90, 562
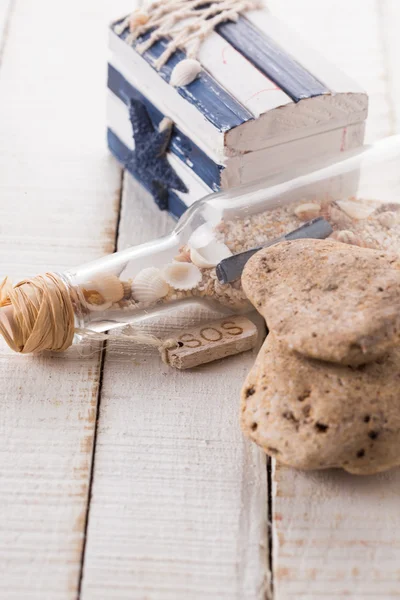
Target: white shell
137, 19
185, 72
149, 285
346, 237
307, 211
355, 210
210, 255
182, 276
387, 219
109, 286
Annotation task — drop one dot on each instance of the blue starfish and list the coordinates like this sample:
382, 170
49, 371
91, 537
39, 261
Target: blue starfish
148, 162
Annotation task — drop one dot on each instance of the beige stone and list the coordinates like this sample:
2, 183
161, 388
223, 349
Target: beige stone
328, 300
314, 415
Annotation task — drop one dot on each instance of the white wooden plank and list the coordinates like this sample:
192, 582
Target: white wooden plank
59, 199
335, 535
179, 503
257, 165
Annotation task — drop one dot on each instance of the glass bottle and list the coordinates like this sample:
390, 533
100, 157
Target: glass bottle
356, 192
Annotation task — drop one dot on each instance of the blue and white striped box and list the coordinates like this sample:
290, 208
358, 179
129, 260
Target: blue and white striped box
262, 101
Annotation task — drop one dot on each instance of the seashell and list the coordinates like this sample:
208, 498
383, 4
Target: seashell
184, 255
108, 286
149, 285
127, 285
137, 19
210, 255
355, 210
307, 211
347, 237
182, 276
388, 206
95, 302
387, 219
185, 72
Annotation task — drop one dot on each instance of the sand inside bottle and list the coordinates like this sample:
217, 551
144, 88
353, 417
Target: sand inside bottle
362, 222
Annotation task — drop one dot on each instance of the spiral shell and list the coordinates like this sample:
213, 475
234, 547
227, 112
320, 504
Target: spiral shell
149, 285
108, 286
95, 301
185, 72
210, 255
182, 276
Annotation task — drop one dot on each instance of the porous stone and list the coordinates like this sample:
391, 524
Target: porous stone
328, 300
314, 415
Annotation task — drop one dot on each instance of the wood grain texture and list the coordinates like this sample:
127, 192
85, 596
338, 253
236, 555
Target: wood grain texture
336, 535
179, 503
59, 205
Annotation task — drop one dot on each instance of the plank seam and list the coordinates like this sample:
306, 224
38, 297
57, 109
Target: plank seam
103, 353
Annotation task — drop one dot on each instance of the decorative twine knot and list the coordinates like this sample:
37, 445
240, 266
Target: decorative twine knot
36, 314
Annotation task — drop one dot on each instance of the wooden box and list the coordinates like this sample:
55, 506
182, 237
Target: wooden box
262, 101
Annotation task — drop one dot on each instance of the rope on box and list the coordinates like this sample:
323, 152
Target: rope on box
184, 23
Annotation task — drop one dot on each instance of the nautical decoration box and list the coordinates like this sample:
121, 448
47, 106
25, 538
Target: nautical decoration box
205, 97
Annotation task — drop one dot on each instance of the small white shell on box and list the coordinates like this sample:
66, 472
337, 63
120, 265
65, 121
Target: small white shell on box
138, 18
149, 285
182, 276
108, 286
185, 72
210, 255
307, 211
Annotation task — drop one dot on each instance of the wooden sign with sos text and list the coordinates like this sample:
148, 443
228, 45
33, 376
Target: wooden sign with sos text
212, 341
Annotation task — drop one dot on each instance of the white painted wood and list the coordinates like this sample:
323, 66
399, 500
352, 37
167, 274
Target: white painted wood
281, 121
179, 502
237, 75
59, 201
310, 116
253, 166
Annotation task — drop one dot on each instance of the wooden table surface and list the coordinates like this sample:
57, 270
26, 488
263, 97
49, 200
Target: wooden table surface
119, 478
